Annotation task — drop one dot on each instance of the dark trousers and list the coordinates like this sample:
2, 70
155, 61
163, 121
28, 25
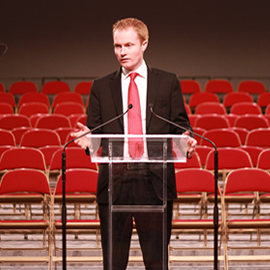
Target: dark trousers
136, 188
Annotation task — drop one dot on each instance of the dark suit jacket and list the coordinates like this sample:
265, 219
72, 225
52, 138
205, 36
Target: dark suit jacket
164, 92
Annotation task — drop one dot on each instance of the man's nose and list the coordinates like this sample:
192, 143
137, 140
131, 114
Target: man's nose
123, 50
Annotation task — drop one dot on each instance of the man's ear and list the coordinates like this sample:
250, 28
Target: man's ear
144, 45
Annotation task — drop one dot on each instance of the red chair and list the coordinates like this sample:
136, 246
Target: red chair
198, 98
251, 87
222, 138
75, 158
210, 107
199, 131
263, 100
3, 148
193, 162
190, 87
212, 121
67, 97
68, 108
187, 108
34, 97
203, 152
192, 118
27, 187
52, 121
2, 87
73, 118
8, 98
263, 160
251, 121
40, 137
55, 87
33, 118
63, 133
21, 87
231, 118
22, 157
18, 133
253, 151
48, 151
228, 159
219, 86
32, 108
267, 111
236, 97
7, 138
242, 132
10, 121
83, 88
246, 108
6, 108
259, 137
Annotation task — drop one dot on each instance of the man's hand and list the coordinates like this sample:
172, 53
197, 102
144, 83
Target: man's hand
191, 145
83, 141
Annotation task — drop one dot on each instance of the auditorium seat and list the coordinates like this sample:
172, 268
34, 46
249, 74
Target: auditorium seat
251, 87
83, 88
6, 108
34, 97
190, 87
18, 133
267, 111
203, 152
219, 86
7, 138
48, 151
193, 162
22, 157
2, 87
188, 110
222, 138
63, 133
67, 97
52, 121
253, 151
246, 108
242, 132
259, 137
236, 97
8, 98
68, 108
55, 87
263, 100
32, 108
231, 118
199, 131
228, 159
40, 137
212, 121
263, 160
10, 121
210, 107
201, 97
251, 121
21, 87
73, 118
192, 118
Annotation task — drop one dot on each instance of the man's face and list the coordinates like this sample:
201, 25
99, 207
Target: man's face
129, 49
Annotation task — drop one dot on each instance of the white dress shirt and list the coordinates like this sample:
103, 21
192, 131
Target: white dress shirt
141, 81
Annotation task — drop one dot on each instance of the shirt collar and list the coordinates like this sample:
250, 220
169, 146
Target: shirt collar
142, 71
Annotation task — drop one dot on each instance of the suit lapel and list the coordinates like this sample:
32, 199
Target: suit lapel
116, 91
152, 89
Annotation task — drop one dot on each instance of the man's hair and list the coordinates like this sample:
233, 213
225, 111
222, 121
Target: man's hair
139, 27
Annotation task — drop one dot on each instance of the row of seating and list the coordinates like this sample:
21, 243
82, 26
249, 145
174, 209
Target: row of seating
188, 87
247, 188
194, 100
48, 88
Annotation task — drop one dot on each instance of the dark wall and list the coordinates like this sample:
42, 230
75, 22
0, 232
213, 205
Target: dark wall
191, 38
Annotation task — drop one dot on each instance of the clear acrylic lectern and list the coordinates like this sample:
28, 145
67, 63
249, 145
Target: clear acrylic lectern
159, 150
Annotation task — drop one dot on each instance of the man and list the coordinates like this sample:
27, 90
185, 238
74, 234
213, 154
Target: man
141, 185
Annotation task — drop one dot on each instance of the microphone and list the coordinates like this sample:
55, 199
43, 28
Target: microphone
151, 108
130, 106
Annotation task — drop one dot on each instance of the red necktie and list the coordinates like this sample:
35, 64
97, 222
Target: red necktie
135, 145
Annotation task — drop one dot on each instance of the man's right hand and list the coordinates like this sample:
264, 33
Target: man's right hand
83, 141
